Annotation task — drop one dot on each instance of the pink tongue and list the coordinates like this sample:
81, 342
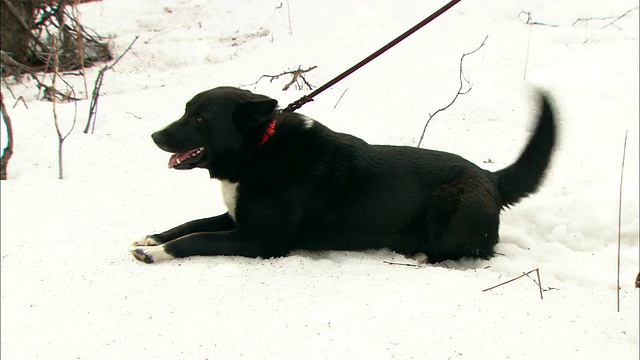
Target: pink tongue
173, 161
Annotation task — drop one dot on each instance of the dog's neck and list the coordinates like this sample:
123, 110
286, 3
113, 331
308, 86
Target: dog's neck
268, 131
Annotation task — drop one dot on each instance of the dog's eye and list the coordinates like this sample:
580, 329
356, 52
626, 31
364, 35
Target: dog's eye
199, 118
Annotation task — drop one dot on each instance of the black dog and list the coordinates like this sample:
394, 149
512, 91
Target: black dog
291, 183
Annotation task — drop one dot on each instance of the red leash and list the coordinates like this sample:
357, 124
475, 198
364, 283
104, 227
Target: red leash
307, 98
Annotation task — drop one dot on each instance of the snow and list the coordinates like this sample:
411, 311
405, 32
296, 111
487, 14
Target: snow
71, 290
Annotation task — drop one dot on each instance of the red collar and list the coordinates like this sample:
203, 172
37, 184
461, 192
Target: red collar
268, 132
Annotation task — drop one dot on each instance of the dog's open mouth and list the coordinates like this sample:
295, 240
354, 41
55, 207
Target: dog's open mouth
185, 159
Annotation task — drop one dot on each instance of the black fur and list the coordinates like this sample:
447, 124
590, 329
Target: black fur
311, 188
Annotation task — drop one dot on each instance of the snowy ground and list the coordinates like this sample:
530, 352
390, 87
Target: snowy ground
71, 290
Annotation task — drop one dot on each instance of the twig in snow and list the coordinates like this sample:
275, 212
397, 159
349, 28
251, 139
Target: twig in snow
461, 90
278, 7
613, 18
273, 26
340, 98
521, 276
93, 106
401, 264
624, 152
49, 92
297, 77
289, 18
20, 98
61, 137
134, 115
529, 19
526, 59
4, 81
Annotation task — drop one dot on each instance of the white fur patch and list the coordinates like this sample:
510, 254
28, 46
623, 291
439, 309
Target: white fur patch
420, 258
152, 254
230, 196
307, 121
146, 241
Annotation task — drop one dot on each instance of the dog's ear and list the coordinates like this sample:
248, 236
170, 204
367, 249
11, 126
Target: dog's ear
250, 114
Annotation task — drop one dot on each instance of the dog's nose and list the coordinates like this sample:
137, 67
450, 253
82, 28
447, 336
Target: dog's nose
157, 137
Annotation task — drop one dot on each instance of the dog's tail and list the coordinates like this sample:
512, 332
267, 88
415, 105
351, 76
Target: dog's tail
523, 177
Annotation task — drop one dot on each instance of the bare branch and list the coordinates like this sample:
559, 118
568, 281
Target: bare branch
72, 96
529, 19
297, 77
624, 152
518, 277
123, 53
461, 90
340, 98
93, 106
54, 102
61, 137
18, 68
402, 264
21, 98
605, 18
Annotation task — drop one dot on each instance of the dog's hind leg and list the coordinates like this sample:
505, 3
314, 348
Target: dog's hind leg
217, 223
464, 222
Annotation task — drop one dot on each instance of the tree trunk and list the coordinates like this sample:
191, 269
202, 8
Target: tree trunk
16, 19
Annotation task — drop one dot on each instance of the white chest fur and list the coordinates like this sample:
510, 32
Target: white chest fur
230, 196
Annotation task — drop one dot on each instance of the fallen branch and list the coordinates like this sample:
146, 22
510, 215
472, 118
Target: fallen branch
521, 276
49, 92
461, 90
93, 105
624, 152
529, 20
613, 18
402, 264
297, 77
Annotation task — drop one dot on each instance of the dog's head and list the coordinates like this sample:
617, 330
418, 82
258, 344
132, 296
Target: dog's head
219, 130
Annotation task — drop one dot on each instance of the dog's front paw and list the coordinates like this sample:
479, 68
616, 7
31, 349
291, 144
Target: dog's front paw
147, 241
150, 254
421, 258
